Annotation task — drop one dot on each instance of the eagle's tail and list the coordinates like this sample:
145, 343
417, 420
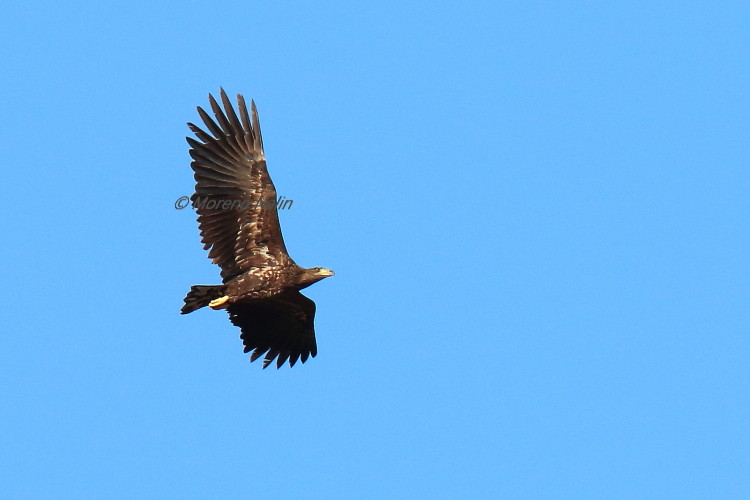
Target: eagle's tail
200, 295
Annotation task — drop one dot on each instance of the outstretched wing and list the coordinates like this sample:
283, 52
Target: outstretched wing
234, 195
278, 326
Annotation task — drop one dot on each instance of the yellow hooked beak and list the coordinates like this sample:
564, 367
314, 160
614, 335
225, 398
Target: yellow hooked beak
325, 273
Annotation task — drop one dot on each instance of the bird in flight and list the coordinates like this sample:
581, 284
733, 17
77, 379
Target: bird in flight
239, 225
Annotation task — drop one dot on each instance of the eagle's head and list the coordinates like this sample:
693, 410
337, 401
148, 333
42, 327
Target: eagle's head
313, 275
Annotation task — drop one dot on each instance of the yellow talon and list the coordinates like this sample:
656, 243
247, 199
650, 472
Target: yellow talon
218, 303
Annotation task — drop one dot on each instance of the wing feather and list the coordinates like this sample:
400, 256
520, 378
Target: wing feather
220, 117
231, 115
210, 123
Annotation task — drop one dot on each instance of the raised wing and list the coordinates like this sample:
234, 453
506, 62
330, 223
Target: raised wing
280, 326
234, 195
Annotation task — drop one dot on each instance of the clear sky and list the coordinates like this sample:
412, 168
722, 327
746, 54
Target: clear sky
537, 213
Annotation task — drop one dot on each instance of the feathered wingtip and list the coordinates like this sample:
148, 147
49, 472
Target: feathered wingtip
252, 129
228, 123
281, 356
256, 123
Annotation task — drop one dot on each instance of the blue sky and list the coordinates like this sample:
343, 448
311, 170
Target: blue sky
537, 213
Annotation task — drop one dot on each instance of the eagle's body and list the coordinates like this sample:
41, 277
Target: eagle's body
261, 283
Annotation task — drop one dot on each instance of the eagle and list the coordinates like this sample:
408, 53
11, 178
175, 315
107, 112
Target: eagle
238, 220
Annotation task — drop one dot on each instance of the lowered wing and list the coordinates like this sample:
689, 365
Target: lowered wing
280, 327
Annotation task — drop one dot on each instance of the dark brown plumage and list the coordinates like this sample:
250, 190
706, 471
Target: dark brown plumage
261, 283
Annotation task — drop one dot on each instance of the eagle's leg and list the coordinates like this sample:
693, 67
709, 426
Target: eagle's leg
219, 303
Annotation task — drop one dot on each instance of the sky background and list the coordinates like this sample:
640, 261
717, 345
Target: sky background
537, 213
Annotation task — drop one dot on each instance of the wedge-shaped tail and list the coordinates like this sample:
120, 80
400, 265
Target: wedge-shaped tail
200, 296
